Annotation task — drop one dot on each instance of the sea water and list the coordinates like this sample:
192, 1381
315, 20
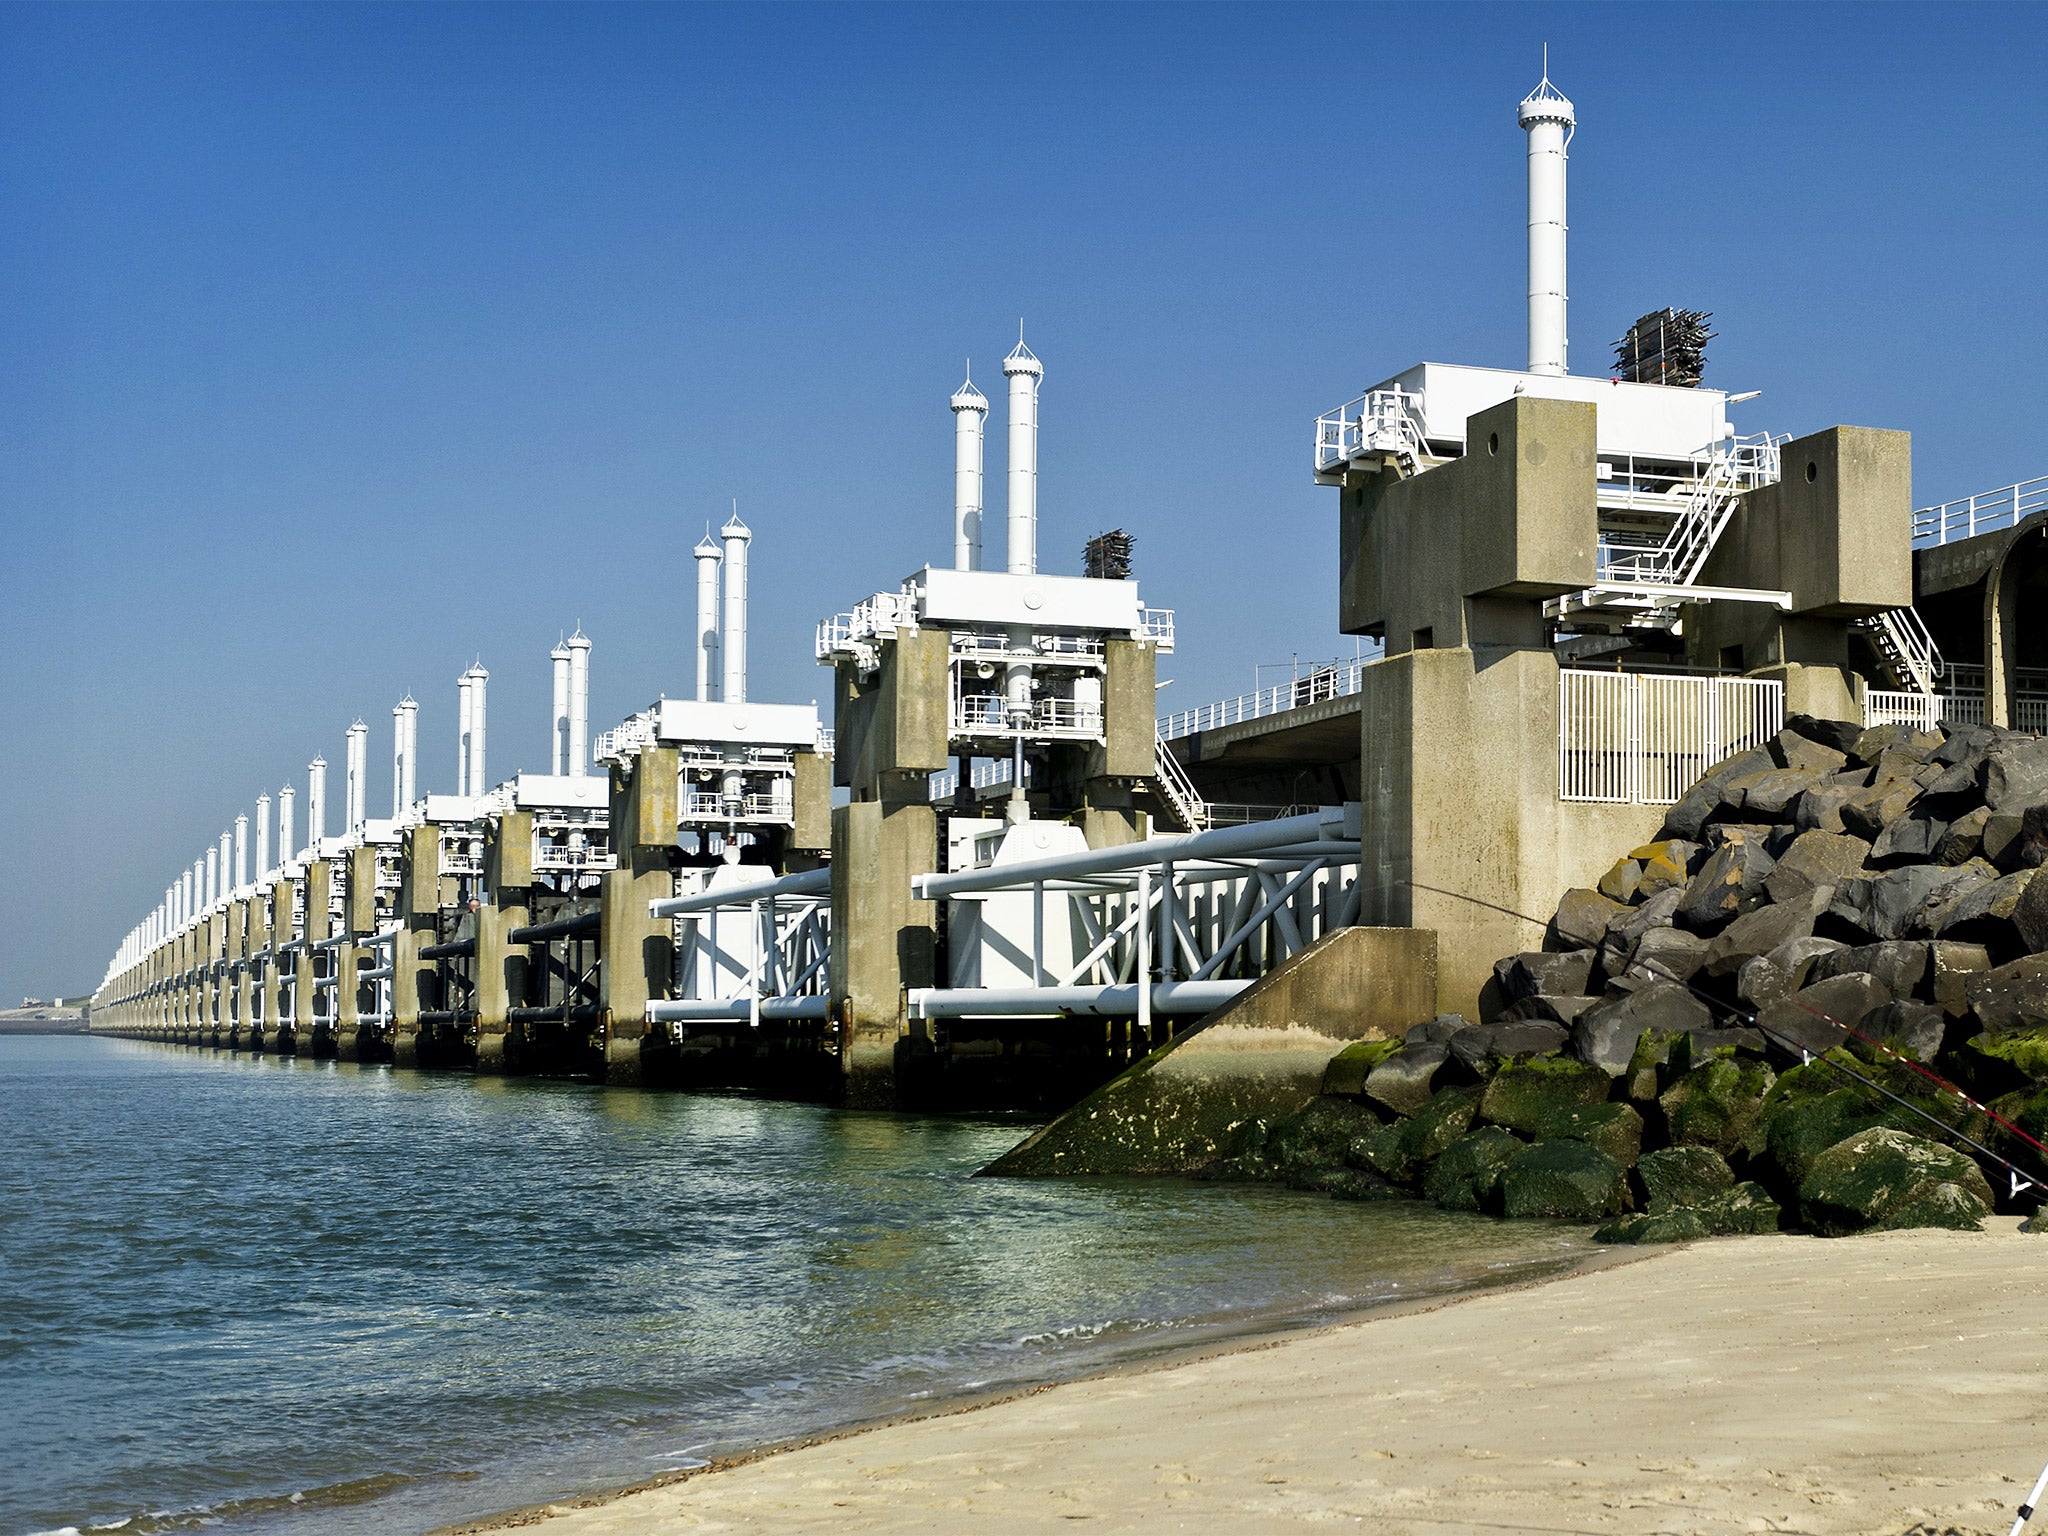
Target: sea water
262, 1294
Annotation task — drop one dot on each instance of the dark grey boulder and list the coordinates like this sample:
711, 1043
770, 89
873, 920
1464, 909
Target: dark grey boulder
1758, 933
1798, 958
1985, 915
1656, 912
1877, 740
1437, 1031
1910, 839
1545, 973
1836, 735
1583, 917
1949, 967
1759, 982
1964, 839
1817, 859
1554, 1010
1728, 884
1878, 907
1406, 1079
1689, 816
1796, 749
2010, 998
1910, 1028
1817, 1018
2016, 775
1899, 964
1667, 954
1605, 1036
1966, 742
1955, 887
1482, 1048
1867, 812
1770, 795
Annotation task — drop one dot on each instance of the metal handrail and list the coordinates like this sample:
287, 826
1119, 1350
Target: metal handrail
1985, 512
1345, 678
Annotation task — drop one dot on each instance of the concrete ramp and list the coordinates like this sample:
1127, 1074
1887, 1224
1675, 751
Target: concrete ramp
1262, 1055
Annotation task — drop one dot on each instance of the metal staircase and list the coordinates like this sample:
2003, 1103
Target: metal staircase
1710, 500
1178, 793
1905, 649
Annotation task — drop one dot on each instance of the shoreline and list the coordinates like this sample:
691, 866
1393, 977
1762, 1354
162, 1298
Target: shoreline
1251, 1339
1889, 1302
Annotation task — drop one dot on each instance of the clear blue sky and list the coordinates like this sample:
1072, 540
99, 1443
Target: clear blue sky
346, 344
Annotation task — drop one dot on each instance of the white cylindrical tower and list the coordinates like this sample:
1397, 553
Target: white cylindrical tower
465, 718
970, 418
579, 704
287, 846
213, 863
478, 677
241, 850
1024, 372
708, 558
733, 638
316, 803
1546, 116
405, 730
263, 834
222, 890
356, 788
558, 717
185, 898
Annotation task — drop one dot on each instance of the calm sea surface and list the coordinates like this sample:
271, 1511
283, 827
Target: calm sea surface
283, 1296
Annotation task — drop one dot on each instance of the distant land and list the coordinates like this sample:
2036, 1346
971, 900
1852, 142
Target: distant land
33, 1018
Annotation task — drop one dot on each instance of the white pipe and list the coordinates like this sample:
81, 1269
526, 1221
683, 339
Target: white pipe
733, 639
465, 717
263, 834
221, 889
1024, 372
287, 847
1548, 119
558, 713
184, 890
357, 802
404, 731
1120, 1001
316, 803
970, 416
708, 560
579, 705
212, 877
241, 850
680, 1011
809, 882
479, 681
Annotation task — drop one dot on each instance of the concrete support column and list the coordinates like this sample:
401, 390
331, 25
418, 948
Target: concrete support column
277, 932
419, 911
883, 940
360, 923
638, 951
239, 916
259, 1019
319, 889
502, 967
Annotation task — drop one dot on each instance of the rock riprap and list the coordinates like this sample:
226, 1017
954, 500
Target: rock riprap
1681, 1059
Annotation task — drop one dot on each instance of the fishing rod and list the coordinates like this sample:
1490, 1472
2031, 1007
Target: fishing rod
2021, 1178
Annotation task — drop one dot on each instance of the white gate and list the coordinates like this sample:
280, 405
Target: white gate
1642, 738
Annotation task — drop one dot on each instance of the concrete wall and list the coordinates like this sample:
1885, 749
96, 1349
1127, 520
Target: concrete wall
1260, 1057
883, 939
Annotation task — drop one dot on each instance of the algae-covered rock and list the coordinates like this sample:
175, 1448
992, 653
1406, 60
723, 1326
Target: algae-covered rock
1680, 1226
1745, 1210
1615, 1129
1797, 1133
1605, 1036
1673, 1177
1882, 1179
1346, 1074
1404, 1080
1481, 1049
1522, 1093
1360, 1184
1567, 1179
1447, 1116
1384, 1152
1466, 1176
1317, 1137
1719, 1105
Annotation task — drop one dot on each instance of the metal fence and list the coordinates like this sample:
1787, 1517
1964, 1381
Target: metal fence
1631, 738
1335, 681
1982, 513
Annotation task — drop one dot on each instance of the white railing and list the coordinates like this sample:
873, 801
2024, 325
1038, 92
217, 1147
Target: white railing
1381, 421
1925, 711
1722, 474
623, 740
1180, 791
1902, 638
1332, 682
1156, 625
1634, 738
1982, 513
944, 784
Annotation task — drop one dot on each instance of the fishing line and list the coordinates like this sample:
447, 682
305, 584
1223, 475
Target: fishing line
2021, 1179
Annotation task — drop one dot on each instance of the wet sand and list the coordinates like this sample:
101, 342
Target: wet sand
1873, 1384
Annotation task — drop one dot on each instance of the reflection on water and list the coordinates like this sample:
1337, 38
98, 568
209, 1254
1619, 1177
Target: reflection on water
311, 1295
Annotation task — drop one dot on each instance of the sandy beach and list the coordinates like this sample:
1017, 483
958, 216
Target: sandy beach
1884, 1383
